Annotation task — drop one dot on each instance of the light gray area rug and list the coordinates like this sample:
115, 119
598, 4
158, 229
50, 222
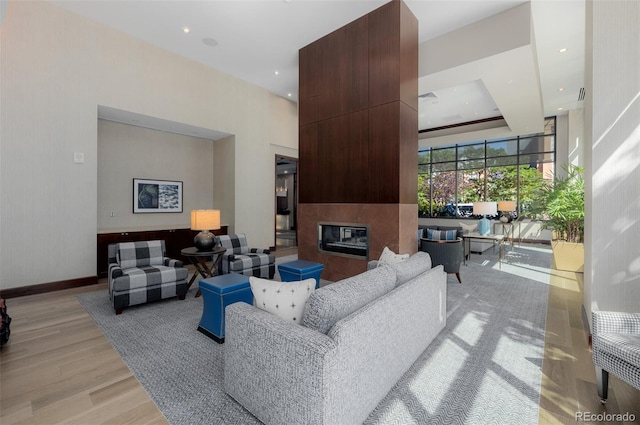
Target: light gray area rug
483, 368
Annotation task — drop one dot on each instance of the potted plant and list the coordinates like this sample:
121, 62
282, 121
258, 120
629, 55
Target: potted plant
560, 204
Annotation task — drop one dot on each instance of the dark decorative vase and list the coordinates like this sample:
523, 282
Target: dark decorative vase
205, 241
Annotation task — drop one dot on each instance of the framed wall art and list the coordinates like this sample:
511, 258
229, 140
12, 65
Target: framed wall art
157, 196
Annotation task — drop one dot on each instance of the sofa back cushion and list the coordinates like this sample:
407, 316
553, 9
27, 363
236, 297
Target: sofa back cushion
413, 266
234, 244
333, 302
140, 254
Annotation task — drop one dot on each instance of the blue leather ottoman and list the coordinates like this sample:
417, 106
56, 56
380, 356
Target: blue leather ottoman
300, 270
217, 293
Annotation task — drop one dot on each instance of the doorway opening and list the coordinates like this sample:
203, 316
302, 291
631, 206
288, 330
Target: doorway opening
286, 202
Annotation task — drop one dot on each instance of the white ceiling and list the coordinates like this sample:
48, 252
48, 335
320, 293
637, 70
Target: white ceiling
252, 39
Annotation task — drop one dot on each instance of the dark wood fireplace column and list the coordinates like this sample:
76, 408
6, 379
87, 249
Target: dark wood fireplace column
358, 136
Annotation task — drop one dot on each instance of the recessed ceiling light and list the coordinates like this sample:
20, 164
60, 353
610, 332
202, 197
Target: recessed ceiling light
561, 89
466, 103
186, 30
210, 42
289, 94
563, 50
276, 72
560, 108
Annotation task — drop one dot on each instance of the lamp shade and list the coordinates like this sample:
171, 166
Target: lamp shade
485, 208
205, 219
506, 206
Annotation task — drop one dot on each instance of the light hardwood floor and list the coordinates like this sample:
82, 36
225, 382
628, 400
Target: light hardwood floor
58, 367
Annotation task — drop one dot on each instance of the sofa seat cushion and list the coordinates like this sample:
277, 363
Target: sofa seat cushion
329, 304
241, 262
413, 266
142, 277
149, 294
626, 347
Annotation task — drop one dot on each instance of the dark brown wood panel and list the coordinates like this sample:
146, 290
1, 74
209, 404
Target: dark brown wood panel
343, 74
384, 54
308, 171
308, 77
308, 110
342, 158
308, 71
409, 47
384, 153
352, 132
408, 147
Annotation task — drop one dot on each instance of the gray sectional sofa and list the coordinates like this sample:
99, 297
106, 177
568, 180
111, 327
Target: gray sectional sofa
356, 339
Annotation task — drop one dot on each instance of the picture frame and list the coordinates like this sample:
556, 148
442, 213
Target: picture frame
157, 196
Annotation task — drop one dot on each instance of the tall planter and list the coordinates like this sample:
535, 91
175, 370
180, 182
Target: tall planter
561, 207
568, 256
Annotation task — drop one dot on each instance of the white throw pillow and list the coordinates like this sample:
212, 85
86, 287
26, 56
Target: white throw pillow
469, 227
390, 257
284, 299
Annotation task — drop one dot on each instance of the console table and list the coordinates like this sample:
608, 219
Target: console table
492, 237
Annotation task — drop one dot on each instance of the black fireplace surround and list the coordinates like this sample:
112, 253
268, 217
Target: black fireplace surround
345, 239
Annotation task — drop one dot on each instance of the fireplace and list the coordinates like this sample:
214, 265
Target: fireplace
345, 239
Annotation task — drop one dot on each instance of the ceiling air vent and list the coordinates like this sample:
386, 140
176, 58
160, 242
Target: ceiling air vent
581, 95
427, 95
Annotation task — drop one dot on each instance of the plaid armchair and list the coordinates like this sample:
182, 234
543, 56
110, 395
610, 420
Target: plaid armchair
239, 258
139, 273
616, 348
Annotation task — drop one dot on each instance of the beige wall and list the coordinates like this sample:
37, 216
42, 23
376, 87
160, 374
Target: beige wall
56, 68
612, 115
126, 152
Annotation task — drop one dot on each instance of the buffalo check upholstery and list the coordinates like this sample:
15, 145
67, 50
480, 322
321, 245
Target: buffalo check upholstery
616, 348
140, 273
240, 258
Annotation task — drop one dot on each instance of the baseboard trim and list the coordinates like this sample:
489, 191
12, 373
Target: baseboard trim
48, 287
585, 323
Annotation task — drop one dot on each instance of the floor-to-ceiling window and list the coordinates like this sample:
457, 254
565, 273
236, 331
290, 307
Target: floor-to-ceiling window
451, 178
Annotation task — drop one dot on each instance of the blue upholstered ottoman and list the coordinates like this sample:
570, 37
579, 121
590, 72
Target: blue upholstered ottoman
217, 293
300, 270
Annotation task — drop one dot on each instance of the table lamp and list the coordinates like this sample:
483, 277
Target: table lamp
506, 207
484, 209
205, 220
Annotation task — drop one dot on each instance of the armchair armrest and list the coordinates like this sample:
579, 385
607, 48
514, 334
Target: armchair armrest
271, 364
259, 251
170, 262
114, 271
615, 322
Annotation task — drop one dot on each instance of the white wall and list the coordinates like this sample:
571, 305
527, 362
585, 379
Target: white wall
56, 69
612, 257
126, 152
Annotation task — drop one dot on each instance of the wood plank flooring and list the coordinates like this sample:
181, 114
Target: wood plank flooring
58, 367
